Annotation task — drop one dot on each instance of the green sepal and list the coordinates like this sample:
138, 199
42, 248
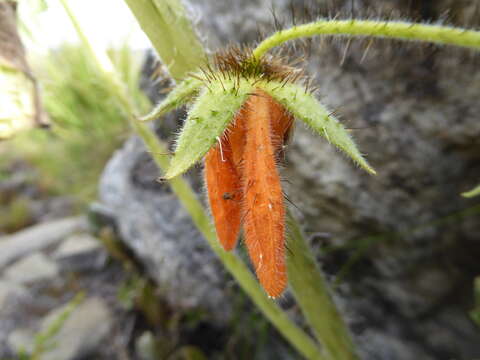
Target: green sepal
177, 97
474, 192
207, 120
304, 106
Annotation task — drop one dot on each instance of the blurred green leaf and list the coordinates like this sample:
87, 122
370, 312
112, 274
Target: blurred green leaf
189, 353
85, 116
475, 313
472, 193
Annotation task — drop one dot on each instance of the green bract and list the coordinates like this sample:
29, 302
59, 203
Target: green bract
224, 89
177, 97
304, 106
207, 120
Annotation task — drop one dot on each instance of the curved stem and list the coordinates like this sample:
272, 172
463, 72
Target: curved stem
311, 291
382, 29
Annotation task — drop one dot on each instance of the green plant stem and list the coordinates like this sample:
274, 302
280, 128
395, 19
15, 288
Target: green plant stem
301, 341
311, 292
475, 313
382, 29
171, 33
472, 193
45, 340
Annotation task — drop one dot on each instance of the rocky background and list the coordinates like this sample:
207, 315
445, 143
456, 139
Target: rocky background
401, 249
403, 245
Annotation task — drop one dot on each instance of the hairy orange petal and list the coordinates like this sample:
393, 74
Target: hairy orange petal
281, 122
224, 193
263, 198
236, 138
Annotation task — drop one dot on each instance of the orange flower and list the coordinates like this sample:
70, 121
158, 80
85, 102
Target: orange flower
241, 115
243, 184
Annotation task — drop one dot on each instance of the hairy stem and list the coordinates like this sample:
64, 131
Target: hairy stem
446, 35
171, 33
311, 292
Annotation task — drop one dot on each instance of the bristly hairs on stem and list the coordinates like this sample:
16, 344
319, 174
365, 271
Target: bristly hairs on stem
400, 30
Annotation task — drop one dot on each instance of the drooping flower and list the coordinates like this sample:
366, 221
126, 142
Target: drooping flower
242, 115
243, 183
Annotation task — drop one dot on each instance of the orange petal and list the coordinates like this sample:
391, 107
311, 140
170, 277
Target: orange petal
264, 209
281, 122
236, 137
224, 193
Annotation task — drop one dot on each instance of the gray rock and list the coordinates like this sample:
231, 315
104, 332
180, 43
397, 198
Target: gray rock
81, 334
8, 289
37, 237
77, 245
380, 346
35, 267
81, 252
21, 340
